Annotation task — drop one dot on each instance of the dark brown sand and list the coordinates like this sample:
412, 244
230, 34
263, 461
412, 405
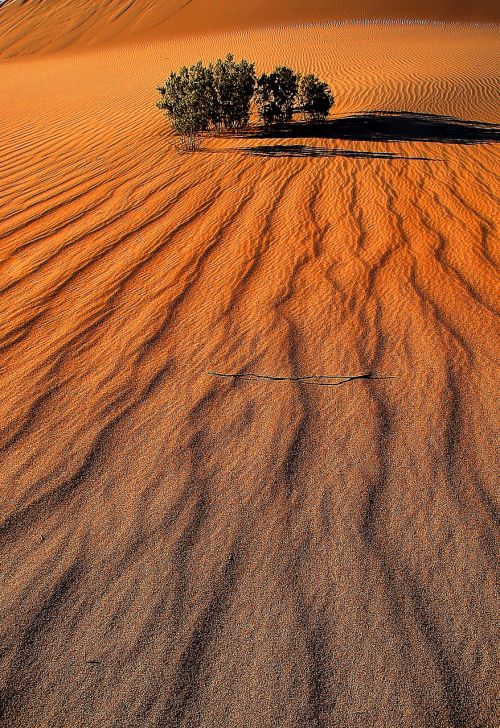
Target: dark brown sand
186, 550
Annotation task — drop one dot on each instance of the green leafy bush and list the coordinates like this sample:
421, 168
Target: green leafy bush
219, 97
275, 95
314, 98
187, 98
233, 87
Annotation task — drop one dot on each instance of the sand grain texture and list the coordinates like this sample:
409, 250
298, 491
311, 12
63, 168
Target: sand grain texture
182, 549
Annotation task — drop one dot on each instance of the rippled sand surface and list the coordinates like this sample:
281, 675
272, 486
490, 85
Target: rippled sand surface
41, 26
185, 549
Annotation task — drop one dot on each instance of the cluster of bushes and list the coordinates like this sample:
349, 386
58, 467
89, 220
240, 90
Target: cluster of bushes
219, 97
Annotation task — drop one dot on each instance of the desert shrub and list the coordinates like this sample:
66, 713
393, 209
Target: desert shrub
219, 97
187, 98
233, 88
314, 98
275, 96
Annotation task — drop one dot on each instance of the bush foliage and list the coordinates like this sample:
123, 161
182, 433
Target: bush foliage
219, 97
186, 100
314, 97
233, 86
276, 95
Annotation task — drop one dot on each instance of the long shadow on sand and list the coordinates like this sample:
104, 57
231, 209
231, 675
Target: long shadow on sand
301, 150
388, 126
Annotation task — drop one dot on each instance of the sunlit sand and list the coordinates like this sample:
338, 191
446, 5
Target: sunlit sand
186, 549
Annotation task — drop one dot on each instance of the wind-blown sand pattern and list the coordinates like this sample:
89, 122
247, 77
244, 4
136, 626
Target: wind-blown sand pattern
28, 28
185, 549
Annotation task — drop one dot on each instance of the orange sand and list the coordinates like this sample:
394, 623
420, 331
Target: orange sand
186, 550
26, 28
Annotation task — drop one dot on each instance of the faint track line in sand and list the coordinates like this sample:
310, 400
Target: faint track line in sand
309, 379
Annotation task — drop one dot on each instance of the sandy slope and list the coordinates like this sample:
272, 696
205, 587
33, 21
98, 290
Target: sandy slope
40, 26
186, 550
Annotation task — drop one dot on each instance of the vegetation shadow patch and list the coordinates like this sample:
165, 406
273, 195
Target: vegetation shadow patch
302, 150
387, 126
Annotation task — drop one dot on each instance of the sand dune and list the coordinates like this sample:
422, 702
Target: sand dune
184, 549
27, 28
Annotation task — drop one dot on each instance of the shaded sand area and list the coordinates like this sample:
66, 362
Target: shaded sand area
182, 549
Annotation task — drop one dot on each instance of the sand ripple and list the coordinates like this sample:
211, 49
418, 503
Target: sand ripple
187, 550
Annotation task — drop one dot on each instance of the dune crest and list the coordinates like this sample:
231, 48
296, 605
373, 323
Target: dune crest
40, 28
